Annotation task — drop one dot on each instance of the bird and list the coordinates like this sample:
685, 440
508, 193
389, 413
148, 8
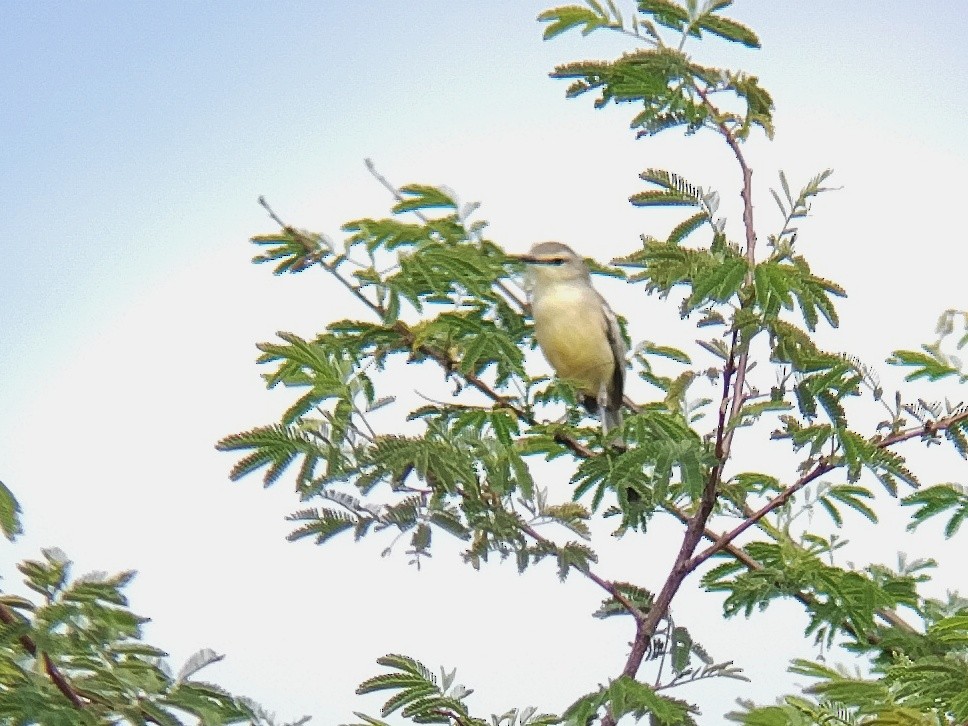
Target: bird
576, 330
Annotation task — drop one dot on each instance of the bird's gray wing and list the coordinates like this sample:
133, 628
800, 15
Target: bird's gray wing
616, 386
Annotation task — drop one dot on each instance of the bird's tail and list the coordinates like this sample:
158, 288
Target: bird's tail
611, 419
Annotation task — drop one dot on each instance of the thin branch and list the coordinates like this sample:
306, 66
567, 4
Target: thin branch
316, 259
733, 398
606, 585
665, 650
9, 618
695, 529
779, 500
730, 406
804, 598
928, 429
746, 194
821, 468
272, 215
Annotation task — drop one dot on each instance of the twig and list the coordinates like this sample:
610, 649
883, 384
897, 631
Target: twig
778, 501
272, 215
695, 525
609, 587
665, 649
331, 268
732, 400
821, 468
927, 429
8, 618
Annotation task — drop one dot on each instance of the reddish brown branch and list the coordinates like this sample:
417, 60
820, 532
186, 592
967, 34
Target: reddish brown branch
9, 618
747, 191
804, 598
927, 429
778, 501
824, 466
731, 402
695, 528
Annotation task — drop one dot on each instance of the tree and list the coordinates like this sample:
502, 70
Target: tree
437, 292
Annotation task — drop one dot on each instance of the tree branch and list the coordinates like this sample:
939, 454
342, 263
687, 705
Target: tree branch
746, 193
695, 529
820, 469
778, 501
730, 405
606, 585
9, 618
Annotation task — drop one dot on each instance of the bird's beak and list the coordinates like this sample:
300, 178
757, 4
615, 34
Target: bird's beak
539, 260
527, 259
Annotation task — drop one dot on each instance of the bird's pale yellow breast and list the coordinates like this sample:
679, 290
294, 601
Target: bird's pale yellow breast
571, 332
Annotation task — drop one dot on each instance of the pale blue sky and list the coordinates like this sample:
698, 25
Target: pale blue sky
136, 138
131, 127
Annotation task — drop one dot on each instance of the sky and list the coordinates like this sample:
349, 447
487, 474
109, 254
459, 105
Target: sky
136, 139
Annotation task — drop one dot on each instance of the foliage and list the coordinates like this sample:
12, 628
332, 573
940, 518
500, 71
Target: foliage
419, 695
435, 291
75, 656
932, 361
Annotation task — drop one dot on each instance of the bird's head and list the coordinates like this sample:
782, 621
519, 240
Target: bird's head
553, 262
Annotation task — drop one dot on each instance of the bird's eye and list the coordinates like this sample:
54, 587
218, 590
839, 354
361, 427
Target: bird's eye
556, 261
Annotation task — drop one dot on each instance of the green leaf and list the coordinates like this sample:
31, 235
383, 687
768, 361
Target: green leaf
928, 365
321, 524
295, 250
853, 496
275, 447
388, 234
681, 647
628, 696
10, 511
678, 190
719, 283
687, 227
658, 78
772, 285
765, 716
935, 500
417, 197
638, 596
729, 29
665, 12
665, 351
658, 198
565, 18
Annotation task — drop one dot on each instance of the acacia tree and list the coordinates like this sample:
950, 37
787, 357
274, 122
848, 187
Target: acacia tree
436, 291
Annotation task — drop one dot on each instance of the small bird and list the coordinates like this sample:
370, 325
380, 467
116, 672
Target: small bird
576, 329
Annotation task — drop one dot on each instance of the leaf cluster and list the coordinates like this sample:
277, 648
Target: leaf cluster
421, 697
925, 689
672, 90
75, 656
841, 602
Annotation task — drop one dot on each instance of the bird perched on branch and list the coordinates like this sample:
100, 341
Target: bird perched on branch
576, 329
